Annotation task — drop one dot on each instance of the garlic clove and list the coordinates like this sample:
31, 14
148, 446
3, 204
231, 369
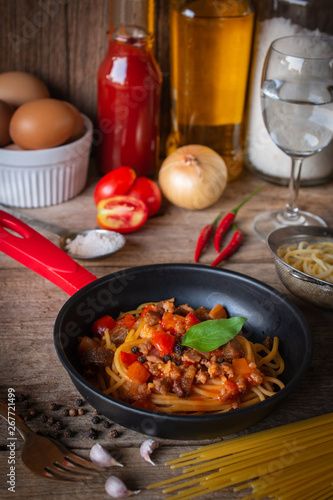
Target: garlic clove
116, 488
100, 456
147, 448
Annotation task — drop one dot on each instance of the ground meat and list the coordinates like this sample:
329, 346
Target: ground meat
256, 375
203, 313
153, 359
118, 334
191, 356
166, 306
162, 385
184, 310
231, 350
201, 377
172, 371
177, 389
187, 380
145, 347
97, 356
152, 317
180, 328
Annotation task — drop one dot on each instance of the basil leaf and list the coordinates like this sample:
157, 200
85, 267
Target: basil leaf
214, 333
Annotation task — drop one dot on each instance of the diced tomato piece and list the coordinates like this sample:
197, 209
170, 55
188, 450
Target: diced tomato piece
241, 367
164, 342
148, 307
138, 373
128, 320
169, 322
190, 320
127, 358
101, 324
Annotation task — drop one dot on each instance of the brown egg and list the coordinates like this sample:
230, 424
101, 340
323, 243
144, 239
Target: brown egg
18, 87
42, 124
6, 112
79, 123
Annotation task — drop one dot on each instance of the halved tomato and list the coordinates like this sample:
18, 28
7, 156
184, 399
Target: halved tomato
148, 191
123, 214
118, 181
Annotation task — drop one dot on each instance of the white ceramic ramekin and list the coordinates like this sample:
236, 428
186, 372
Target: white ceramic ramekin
40, 178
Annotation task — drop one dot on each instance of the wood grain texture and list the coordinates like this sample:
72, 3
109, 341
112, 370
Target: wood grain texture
29, 306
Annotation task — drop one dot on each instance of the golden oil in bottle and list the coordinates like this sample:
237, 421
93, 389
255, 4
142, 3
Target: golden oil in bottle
210, 53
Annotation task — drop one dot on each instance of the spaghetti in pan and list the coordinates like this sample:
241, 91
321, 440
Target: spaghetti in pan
140, 358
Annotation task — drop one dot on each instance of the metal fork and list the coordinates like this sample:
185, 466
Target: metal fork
45, 456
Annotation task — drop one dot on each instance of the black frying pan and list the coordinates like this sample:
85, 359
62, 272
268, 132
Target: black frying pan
268, 312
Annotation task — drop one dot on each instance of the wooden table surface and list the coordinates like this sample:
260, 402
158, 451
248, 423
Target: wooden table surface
29, 305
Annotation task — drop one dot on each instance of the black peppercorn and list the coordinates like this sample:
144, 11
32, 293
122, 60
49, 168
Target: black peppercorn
142, 359
96, 419
135, 349
178, 349
178, 362
65, 412
51, 420
79, 402
44, 418
58, 425
166, 358
93, 433
106, 424
114, 433
219, 360
53, 406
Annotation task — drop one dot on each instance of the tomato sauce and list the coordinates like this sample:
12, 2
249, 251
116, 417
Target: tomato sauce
129, 90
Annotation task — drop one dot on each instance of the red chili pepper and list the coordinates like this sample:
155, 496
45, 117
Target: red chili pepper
230, 248
228, 220
204, 236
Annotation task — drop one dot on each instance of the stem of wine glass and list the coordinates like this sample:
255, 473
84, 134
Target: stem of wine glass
291, 211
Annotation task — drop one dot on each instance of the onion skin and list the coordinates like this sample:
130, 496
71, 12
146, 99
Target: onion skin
193, 177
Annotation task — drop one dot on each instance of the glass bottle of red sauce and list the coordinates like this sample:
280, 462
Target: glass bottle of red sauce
129, 91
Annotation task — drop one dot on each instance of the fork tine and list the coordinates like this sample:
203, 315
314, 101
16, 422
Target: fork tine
60, 474
82, 462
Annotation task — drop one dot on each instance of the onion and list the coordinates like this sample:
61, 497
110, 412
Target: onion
193, 177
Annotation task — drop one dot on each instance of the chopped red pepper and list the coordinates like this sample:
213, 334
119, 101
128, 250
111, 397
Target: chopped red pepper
164, 342
128, 320
102, 324
169, 322
241, 367
191, 319
138, 373
127, 358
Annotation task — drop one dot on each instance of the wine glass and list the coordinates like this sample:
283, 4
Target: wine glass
297, 107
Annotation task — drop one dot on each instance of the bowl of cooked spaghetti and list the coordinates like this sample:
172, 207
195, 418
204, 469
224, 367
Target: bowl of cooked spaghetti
304, 262
183, 351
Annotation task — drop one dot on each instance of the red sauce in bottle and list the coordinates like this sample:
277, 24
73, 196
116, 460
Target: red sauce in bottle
129, 90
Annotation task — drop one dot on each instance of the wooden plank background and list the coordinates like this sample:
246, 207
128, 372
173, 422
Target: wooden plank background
64, 41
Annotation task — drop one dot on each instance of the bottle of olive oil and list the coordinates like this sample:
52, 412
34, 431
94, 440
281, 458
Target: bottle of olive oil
211, 44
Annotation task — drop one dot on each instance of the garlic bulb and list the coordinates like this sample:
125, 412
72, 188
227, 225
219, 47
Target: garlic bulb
116, 488
193, 177
100, 456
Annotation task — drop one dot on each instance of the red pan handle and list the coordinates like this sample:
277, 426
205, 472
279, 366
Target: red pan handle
38, 253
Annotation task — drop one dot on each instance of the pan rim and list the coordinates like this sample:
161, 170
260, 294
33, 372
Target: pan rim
273, 400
